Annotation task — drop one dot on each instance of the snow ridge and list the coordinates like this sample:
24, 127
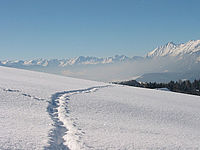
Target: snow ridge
171, 49
65, 135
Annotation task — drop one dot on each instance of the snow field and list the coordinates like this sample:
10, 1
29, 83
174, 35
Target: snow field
123, 117
43, 111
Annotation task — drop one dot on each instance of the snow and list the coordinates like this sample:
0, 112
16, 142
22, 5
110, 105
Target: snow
171, 49
44, 111
25, 122
81, 60
121, 117
163, 89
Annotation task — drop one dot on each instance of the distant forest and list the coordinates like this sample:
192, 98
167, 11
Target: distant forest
180, 86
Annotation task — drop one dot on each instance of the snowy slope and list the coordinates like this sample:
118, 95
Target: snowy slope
128, 118
43, 111
25, 121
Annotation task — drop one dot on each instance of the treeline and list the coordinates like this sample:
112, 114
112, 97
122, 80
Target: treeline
186, 86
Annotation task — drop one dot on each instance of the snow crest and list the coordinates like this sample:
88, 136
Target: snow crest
171, 49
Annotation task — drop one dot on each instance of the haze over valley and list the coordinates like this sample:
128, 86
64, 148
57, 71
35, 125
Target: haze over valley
167, 62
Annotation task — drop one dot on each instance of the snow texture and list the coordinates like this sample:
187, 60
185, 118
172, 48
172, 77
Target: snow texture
43, 111
121, 117
25, 122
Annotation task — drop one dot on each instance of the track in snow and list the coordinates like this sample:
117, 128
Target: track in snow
65, 135
23, 94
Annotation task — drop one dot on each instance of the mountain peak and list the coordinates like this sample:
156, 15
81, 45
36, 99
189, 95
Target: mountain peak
171, 44
172, 49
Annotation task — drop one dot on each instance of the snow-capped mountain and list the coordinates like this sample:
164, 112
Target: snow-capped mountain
191, 48
81, 60
170, 58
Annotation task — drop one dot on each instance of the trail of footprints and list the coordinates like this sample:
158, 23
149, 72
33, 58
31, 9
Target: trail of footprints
58, 106
23, 94
64, 126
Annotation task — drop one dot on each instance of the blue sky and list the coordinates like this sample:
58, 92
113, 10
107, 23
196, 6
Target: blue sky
69, 28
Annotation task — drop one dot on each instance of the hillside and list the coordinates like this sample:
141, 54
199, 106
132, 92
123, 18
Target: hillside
44, 111
165, 77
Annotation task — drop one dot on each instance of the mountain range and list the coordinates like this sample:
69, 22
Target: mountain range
190, 48
167, 62
81, 60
